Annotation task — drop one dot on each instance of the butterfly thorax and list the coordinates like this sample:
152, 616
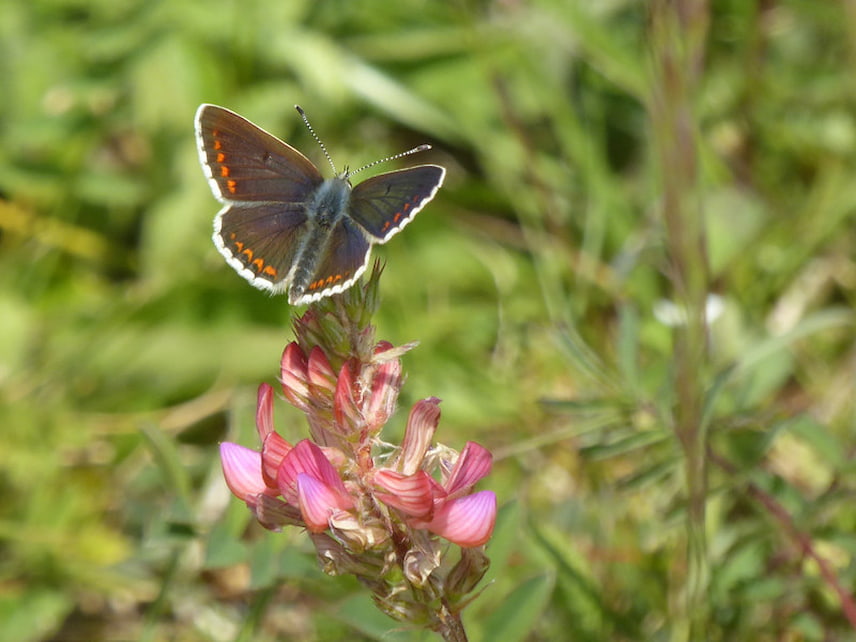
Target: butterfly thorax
329, 203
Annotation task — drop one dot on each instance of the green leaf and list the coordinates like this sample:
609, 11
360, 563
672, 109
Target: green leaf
360, 612
33, 615
515, 617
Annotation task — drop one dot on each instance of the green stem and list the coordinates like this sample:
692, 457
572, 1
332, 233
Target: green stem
452, 628
678, 30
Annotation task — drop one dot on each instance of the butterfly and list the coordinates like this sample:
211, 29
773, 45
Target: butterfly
284, 227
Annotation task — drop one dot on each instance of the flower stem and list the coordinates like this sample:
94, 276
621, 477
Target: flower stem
451, 628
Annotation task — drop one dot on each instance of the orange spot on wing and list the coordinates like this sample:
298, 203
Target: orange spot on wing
270, 270
224, 172
232, 186
239, 246
325, 282
249, 254
385, 226
221, 157
397, 217
406, 206
260, 264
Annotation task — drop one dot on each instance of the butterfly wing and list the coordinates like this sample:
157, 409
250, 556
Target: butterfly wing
343, 259
264, 184
261, 241
384, 204
244, 163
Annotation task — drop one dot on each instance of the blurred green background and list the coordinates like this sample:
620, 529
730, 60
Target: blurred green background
541, 283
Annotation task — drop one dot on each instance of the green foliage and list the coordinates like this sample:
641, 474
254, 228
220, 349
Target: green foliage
540, 284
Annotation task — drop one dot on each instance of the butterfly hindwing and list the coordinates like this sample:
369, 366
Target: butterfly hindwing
342, 261
261, 241
245, 163
384, 204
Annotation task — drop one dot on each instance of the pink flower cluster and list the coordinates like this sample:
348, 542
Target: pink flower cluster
332, 483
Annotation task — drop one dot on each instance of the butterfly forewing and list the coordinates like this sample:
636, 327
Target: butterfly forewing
384, 204
245, 163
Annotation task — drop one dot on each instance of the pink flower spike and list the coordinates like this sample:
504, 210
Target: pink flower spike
317, 501
306, 457
473, 463
242, 469
411, 494
264, 411
467, 521
320, 372
274, 450
421, 425
294, 376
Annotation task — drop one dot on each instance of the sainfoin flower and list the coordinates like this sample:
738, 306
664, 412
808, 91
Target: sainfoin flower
446, 508
305, 479
384, 514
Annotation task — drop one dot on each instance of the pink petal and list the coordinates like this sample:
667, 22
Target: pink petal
467, 521
317, 501
264, 411
294, 376
411, 494
242, 469
473, 463
384, 388
306, 457
274, 450
345, 409
320, 372
437, 490
421, 425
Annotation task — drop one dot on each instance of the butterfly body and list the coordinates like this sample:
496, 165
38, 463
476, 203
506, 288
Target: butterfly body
283, 227
325, 211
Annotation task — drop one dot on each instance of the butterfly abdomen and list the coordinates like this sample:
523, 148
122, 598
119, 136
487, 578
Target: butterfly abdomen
307, 262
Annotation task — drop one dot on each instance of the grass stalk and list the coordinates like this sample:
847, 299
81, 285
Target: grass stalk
677, 39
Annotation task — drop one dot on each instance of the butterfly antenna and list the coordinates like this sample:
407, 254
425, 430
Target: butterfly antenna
420, 148
315, 136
